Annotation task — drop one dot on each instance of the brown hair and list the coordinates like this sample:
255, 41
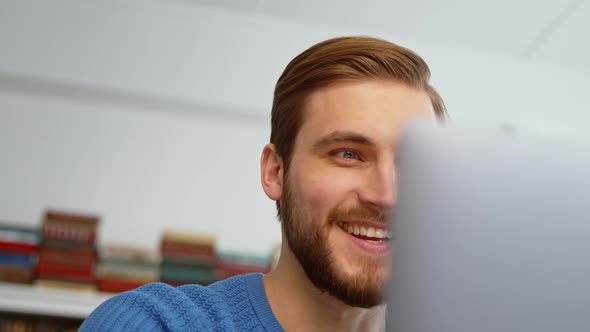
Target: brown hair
334, 60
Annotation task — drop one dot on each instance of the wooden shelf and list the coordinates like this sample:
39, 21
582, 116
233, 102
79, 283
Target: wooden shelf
25, 299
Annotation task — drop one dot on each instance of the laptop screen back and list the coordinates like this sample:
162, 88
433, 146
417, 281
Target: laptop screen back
491, 233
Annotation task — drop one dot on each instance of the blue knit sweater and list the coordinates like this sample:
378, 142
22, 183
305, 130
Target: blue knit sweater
235, 304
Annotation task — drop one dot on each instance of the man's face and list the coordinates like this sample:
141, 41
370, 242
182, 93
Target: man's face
339, 192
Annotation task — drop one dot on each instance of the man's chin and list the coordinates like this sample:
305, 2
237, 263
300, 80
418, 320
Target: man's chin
361, 288
376, 270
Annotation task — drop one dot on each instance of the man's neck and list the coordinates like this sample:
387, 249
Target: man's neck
299, 306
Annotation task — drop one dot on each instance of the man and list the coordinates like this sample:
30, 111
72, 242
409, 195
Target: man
338, 111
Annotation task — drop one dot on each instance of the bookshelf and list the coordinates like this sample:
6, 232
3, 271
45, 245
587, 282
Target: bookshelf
52, 277
29, 300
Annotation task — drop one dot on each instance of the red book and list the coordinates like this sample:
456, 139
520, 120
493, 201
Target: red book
205, 250
18, 247
59, 254
64, 260
65, 272
114, 285
70, 245
187, 255
69, 234
71, 217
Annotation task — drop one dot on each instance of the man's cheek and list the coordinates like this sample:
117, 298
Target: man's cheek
324, 194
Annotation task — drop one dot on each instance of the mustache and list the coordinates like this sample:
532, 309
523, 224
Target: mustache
360, 212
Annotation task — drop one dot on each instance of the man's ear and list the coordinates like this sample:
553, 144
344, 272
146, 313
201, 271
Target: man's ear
271, 172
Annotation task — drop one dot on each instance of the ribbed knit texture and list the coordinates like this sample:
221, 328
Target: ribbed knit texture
235, 304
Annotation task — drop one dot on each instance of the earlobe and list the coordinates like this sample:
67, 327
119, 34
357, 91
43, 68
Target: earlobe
271, 172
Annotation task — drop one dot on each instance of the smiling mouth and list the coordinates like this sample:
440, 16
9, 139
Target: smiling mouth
367, 233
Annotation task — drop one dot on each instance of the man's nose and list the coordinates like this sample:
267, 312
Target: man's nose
380, 188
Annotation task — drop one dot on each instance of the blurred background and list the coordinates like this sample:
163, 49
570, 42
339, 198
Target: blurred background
152, 114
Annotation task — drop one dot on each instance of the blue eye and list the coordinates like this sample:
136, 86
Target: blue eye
347, 154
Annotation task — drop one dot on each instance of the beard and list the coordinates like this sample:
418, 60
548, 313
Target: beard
307, 239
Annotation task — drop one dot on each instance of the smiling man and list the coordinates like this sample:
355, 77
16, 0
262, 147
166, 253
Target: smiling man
338, 112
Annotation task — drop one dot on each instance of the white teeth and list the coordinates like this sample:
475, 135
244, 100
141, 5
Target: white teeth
379, 233
363, 230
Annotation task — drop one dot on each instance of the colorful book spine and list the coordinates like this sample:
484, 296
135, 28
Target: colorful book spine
187, 257
123, 268
67, 251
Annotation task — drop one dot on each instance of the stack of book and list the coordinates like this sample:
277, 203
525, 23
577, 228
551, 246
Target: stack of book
19, 248
68, 252
187, 258
123, 268
230, 264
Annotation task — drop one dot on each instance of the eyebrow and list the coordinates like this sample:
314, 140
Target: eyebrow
342, 136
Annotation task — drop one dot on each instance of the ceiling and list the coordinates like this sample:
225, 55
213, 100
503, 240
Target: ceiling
553, 32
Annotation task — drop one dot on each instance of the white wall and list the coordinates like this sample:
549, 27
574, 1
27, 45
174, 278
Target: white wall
154, 113
141, 170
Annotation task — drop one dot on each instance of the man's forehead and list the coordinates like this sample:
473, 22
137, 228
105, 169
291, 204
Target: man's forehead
367, 100
326, 121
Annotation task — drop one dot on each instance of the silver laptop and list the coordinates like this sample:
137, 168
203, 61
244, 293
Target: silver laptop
491, 233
